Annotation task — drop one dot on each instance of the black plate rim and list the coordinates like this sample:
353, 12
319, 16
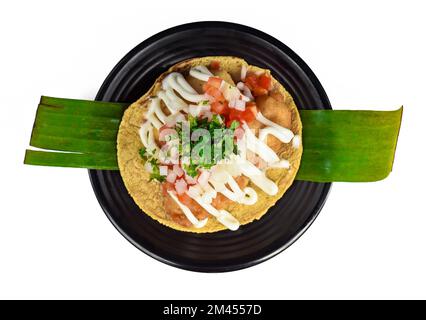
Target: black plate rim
312, 77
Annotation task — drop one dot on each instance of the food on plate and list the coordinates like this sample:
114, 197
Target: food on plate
212, 145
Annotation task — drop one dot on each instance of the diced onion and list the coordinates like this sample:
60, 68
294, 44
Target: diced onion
148, 167
163, 170
180, 186
178, 170
247, 92
240, 105
171, 177
190, 180
237, 104
231, 93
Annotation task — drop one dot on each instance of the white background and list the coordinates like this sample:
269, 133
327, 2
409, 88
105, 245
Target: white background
369, 240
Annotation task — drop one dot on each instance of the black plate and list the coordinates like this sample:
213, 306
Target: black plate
225, 250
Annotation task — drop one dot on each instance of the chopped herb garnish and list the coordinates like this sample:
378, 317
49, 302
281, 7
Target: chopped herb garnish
216, 122
191, 169
148, 157
215, 142
193, 122
155, 175
234, 125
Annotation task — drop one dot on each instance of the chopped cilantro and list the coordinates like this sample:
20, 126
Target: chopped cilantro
147, 157
191, 169
218, 139
234, 125
155, 175
193, 122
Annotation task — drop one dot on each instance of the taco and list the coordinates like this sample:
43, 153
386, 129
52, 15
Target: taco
244, 156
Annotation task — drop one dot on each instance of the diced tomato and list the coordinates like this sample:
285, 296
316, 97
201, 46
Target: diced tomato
214, 82
234, 114
259, 86
251, 107
219, 107
211, 87
215, 65
167, 186
248, 115
265, 81
216, 94
251, 81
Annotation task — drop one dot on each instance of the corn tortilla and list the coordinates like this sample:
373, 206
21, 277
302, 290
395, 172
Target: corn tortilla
148, 195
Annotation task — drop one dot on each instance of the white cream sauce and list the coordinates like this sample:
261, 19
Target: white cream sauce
177, 82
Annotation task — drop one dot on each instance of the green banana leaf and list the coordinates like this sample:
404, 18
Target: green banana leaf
338, 145
98, 161
85, 107
348, 145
